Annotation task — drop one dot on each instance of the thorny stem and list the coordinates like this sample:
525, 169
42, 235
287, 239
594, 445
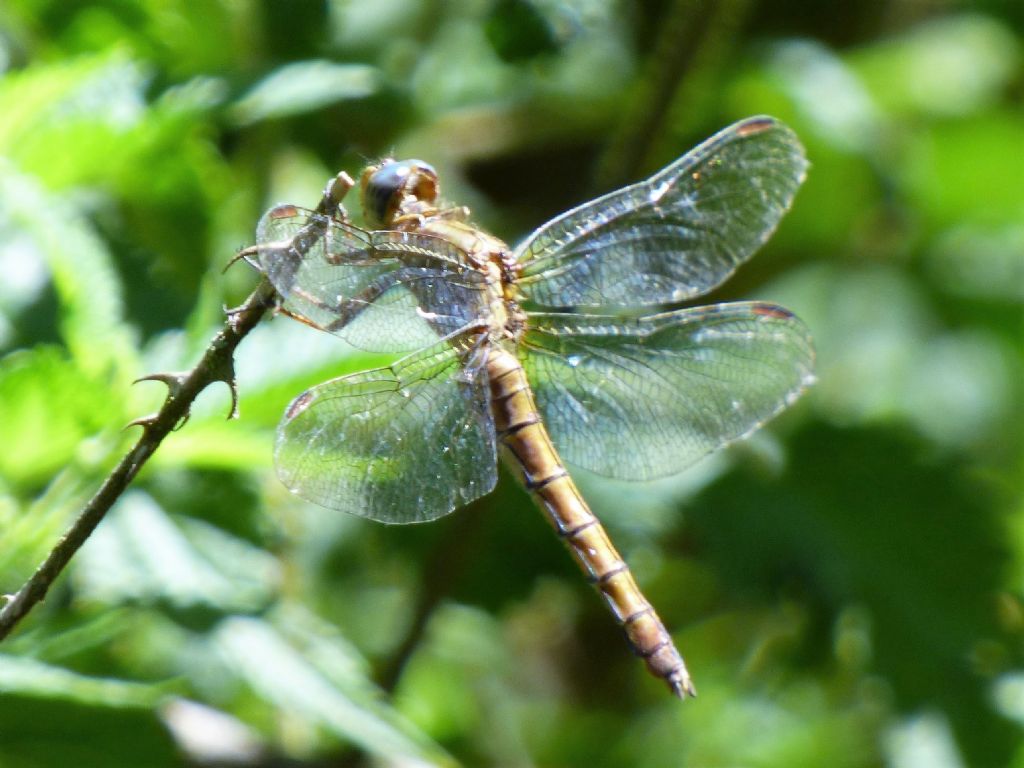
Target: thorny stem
215, 365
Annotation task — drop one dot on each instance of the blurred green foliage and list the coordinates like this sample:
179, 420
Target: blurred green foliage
846, 585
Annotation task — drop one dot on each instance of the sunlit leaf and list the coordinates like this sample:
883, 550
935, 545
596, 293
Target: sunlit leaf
84, 106
210, 736
923, 740
827, 91
288, 679
82, 271
802, 729
982, 263
959, 172
302, 87
220, 445
30, 677
948, 66
143, 555
49, 407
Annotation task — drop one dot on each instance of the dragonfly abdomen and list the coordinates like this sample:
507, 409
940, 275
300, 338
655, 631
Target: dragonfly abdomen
520, 429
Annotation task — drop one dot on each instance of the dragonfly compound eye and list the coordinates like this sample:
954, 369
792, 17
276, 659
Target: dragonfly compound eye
386, 186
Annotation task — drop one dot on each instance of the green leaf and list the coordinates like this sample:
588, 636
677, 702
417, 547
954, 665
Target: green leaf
980, 263
800, 728
948, 66
53, 717
304, 86
49, 407
923, 559
218, 444
34, 678
960, 172
83, 273
302, 682
83, 105
519, 31
462, 659
142, 554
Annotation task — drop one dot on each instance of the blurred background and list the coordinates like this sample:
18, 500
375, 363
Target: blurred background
846, 585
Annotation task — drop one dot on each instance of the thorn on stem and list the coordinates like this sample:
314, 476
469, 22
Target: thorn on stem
233, 386
143, 421
174, 381
225, 372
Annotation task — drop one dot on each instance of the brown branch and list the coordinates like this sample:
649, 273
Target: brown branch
692, 36
450, 558
217, 364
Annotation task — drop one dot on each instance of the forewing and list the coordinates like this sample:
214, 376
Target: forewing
646, 397
402, 444
674, 236
382, 291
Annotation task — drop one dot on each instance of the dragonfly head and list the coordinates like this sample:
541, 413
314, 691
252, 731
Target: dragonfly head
387, 187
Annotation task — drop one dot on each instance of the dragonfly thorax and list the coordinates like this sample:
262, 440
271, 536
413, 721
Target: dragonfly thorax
393, 187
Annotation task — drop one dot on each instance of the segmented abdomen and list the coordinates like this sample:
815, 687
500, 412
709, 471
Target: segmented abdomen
521, 430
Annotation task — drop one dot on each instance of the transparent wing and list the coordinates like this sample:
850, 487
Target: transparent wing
402, 444
646, 397
383, 291
674, 236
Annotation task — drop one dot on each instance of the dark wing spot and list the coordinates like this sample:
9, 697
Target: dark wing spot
298, 405
773, 311
754, 126
284, 212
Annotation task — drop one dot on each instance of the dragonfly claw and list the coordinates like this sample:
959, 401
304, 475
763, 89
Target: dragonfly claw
246, 254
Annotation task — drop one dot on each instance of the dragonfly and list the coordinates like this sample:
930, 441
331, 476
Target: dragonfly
572, 347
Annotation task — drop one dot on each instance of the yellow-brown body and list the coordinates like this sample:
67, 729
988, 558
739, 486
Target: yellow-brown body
520, 430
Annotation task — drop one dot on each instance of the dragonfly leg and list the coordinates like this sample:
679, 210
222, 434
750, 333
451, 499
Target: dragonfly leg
412, 222
419, 213
455, 213
334, 193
